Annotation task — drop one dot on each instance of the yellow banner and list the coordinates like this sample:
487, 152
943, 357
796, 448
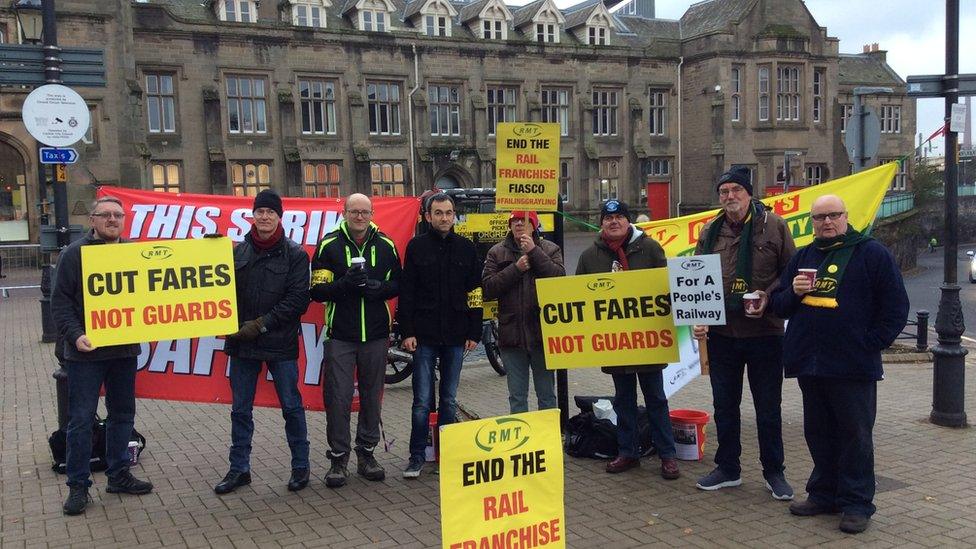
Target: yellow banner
608, 319
861, 192
502, 482
492, 227
147, 291
489, 309
526, 166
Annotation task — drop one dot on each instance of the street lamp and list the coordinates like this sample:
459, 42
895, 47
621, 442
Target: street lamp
29, 20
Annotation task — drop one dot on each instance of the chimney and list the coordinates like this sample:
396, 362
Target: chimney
874, 47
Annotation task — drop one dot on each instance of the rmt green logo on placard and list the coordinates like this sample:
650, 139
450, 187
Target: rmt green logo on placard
505, 434
158, 252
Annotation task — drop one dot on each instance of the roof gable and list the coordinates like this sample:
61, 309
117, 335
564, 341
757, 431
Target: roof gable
713, 16
431, 7
546, 10
596, 14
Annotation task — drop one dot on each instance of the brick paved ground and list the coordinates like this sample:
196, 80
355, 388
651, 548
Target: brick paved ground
926, 496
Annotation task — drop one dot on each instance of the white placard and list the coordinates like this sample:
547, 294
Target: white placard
56, 115
957, 118
696, 290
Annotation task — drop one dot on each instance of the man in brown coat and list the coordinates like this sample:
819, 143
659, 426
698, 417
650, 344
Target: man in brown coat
511, 268
755, 245
623, 247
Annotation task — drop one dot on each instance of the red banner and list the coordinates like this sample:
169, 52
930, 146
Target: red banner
196, 369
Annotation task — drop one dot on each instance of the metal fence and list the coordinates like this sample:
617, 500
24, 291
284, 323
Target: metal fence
894, 204
21, 255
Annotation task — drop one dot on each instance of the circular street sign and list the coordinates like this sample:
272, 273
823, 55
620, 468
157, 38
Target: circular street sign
56, 115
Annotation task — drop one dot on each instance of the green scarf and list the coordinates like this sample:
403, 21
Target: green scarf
830, 272
743, 262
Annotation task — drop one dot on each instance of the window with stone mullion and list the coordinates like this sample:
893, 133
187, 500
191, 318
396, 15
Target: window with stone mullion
384, 108
246, 105
160, 103
604, 112
555, 108
318, 106
501, 106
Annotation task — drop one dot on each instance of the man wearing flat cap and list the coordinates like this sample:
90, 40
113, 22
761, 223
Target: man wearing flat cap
622, 247
754, 245
511, 269
271, 273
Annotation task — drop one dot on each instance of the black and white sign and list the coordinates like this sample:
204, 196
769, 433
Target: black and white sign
696, 290
56, 115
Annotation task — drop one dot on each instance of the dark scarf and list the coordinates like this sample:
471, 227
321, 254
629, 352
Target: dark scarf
743, 262
271, 242
830, 272
619, 247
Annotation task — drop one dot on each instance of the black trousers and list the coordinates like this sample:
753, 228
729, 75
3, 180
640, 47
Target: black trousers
838, 423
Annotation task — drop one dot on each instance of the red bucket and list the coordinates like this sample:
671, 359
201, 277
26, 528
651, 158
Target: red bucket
432, 451
689, 433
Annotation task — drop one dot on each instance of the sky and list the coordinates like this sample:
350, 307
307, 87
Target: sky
912, 31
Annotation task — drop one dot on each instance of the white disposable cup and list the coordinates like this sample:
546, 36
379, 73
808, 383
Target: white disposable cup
358, 263
811, 275
133, 452
751, 301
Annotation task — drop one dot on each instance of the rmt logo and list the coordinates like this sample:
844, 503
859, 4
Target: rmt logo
158, 253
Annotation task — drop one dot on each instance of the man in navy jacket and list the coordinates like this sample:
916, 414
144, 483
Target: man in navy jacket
837, 328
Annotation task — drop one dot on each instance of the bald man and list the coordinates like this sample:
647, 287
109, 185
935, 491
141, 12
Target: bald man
355, 271
837, 327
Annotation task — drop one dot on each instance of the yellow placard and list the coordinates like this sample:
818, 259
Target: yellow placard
861, 192
526, 166
502, 482
489, 309
147, 291
607, 319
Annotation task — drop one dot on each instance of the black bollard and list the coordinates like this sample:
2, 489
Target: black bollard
922, 323
61, 388
48, 332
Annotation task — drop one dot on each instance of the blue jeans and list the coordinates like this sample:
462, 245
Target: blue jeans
762, 360
85, 379
518, 363
243, 383
625, 405
838, 424
423, 398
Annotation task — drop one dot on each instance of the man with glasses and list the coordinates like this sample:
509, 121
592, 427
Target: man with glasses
356, 269
754, 245
841, 318
271, 273
437, 323
90, 367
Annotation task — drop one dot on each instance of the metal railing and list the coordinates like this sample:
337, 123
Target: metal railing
917, 330
21, 255
894, 204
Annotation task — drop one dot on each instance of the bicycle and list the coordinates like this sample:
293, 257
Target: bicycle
399, 361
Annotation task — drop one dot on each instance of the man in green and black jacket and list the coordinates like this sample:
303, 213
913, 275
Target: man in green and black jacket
358, 319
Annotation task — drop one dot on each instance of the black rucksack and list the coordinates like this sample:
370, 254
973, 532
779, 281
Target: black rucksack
587, 436
59, 447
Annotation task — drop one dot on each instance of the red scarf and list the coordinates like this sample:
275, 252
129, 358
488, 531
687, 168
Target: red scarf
271, 242
618, 246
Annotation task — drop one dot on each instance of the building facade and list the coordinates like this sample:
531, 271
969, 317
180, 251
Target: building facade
330, 97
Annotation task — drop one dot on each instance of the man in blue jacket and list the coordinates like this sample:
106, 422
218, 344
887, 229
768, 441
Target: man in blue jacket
838, 326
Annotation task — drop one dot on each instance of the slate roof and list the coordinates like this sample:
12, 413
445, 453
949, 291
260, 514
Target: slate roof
470, 11
866, 68
413, 8
524, 14
713, 15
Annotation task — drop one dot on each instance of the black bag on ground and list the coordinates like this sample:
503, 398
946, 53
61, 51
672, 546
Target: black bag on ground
589, 437
59, 447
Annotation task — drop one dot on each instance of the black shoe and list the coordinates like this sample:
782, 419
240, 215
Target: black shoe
78, 499
854, 524
338, 472
367, 466
232, 481
125, 483
810, 509
298, 480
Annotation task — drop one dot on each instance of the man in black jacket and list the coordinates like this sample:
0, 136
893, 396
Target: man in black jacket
440, 269
271, 273
356, 269
89, 367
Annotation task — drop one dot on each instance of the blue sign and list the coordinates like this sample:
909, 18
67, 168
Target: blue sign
51, 155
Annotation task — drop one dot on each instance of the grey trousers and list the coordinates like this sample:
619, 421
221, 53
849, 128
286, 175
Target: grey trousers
519, 363
368, 362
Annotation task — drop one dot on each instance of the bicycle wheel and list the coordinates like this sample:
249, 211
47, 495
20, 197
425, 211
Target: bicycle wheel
490, 340
399, 363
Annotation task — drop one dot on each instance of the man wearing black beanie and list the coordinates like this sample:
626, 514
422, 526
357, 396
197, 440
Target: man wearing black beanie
754, 245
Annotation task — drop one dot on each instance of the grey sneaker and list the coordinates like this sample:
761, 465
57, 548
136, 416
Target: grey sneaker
77, 501
414, 467
367, 467
717, 479
338, 473
780, 489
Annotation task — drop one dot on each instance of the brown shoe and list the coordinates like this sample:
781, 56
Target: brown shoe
621, 464
669, 469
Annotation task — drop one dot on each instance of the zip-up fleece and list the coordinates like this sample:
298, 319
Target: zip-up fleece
350, 315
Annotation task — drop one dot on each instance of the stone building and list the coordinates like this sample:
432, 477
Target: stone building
329, 97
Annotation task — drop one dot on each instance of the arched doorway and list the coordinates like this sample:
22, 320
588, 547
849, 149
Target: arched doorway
446, 181
454, 176
13, 195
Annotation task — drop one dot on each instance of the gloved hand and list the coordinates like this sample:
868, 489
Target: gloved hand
353, 279
213, 235
250, 330
372, 289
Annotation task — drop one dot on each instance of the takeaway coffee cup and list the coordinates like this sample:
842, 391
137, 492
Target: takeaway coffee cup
133, 452
751, 302
359, 263
811, 275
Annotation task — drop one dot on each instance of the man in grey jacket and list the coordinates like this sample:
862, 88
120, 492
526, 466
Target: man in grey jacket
89, 367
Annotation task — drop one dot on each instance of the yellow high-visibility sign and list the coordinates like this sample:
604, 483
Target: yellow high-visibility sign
147, 291
61, 173
502, 482
607, 319
527, 166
